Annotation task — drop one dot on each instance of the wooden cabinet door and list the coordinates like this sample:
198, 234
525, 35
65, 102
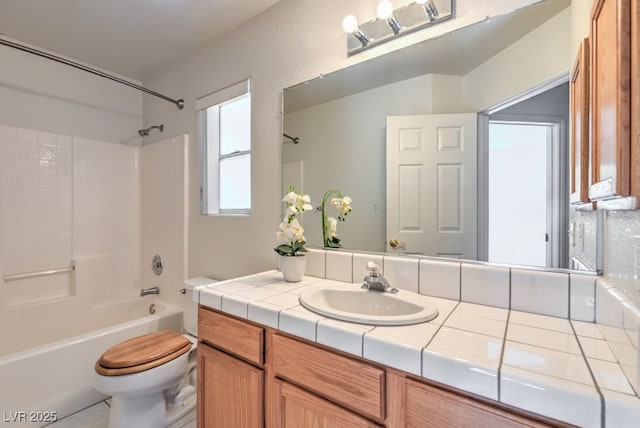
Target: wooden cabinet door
352, 383
635, 100
300, 408
230, 391
610, 98
580, 125
428, 406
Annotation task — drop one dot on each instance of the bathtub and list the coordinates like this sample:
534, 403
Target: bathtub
51, 381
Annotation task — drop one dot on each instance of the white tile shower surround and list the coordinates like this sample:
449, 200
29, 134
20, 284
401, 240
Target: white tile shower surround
59, 201
579, 365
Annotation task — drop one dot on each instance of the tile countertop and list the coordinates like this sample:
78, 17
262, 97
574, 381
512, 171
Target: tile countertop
551, 366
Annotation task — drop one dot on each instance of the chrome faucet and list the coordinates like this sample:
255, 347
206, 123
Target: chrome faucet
375, 281
147, 291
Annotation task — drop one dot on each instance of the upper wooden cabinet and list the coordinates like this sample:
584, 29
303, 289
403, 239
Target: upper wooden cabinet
580, 125
610, 95
635, 100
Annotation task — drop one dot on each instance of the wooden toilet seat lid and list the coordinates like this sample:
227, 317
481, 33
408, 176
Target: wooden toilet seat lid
142, 353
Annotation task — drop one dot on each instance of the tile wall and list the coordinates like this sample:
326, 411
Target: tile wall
67, 199
560, 294
35, 209
64, 200
165, 214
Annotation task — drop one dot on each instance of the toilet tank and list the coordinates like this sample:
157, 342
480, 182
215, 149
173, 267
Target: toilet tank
190, 307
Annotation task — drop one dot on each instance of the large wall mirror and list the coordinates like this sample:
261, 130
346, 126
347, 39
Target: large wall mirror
342, 130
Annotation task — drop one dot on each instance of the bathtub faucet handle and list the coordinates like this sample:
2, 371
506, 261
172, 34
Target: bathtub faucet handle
147, 291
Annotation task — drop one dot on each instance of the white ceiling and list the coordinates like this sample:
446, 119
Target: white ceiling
135, 38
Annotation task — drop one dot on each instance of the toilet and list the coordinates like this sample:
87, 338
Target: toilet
152, 378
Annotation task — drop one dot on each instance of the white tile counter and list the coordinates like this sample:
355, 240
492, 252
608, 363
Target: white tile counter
557, 367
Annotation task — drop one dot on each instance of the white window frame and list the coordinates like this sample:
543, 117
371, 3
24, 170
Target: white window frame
210, 160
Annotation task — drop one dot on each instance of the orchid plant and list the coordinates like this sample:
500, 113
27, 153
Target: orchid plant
330, 224
290, 234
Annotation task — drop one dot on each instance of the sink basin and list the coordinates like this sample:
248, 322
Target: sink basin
369, 307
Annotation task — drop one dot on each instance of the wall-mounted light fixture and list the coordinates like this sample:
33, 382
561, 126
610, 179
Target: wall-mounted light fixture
385, 12
391, 23
350, 25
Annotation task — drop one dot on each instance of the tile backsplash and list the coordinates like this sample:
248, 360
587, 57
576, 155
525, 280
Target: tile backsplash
560, 294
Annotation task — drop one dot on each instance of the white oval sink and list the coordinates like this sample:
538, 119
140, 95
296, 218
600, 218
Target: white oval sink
369, 307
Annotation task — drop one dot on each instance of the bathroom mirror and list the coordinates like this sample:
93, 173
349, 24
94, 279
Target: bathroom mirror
335, 125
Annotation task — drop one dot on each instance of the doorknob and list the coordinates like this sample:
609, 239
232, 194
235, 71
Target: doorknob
396, 243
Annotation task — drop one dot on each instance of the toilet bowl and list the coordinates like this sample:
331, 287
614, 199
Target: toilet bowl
152, 378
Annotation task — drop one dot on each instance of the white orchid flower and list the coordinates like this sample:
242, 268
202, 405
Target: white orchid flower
290, 198
290, 232
333, 226
291, 210
281, 238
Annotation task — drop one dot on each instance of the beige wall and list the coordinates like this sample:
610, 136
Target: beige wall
44, 95
523, 64
580, 13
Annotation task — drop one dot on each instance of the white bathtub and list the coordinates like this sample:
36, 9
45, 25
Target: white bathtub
56, 377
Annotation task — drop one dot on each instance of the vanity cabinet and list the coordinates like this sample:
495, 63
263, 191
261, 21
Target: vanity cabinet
300, 408
610, 100
347, 389
635, 100
230, 391
230, 372
429, 405
253, 376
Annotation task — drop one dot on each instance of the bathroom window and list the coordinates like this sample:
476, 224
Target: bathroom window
224, 132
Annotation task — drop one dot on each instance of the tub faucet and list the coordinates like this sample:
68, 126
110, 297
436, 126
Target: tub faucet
375, 281
147, 291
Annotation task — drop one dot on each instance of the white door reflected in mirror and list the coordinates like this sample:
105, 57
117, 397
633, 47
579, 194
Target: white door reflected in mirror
431, 185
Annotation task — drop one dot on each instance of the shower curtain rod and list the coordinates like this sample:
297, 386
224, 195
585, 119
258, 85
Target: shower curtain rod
179, 103
295, 140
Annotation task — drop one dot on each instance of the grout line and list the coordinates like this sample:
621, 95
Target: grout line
54, 424
460, 283
419, 263
603, 407
569, 297
352, 270
504, 345
324, 261
510, 295
434, 336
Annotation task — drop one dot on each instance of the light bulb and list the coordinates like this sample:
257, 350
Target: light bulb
384, 9
350, 23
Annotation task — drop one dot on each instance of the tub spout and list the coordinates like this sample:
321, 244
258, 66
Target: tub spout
147, 291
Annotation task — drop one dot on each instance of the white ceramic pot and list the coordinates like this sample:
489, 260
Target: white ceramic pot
292, 267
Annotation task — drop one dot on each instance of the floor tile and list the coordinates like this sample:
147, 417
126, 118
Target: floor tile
96, 416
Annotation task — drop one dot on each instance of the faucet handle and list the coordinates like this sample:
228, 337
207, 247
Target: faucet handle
373, 268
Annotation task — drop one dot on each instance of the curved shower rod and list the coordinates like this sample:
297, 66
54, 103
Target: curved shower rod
295, 140
179, 103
